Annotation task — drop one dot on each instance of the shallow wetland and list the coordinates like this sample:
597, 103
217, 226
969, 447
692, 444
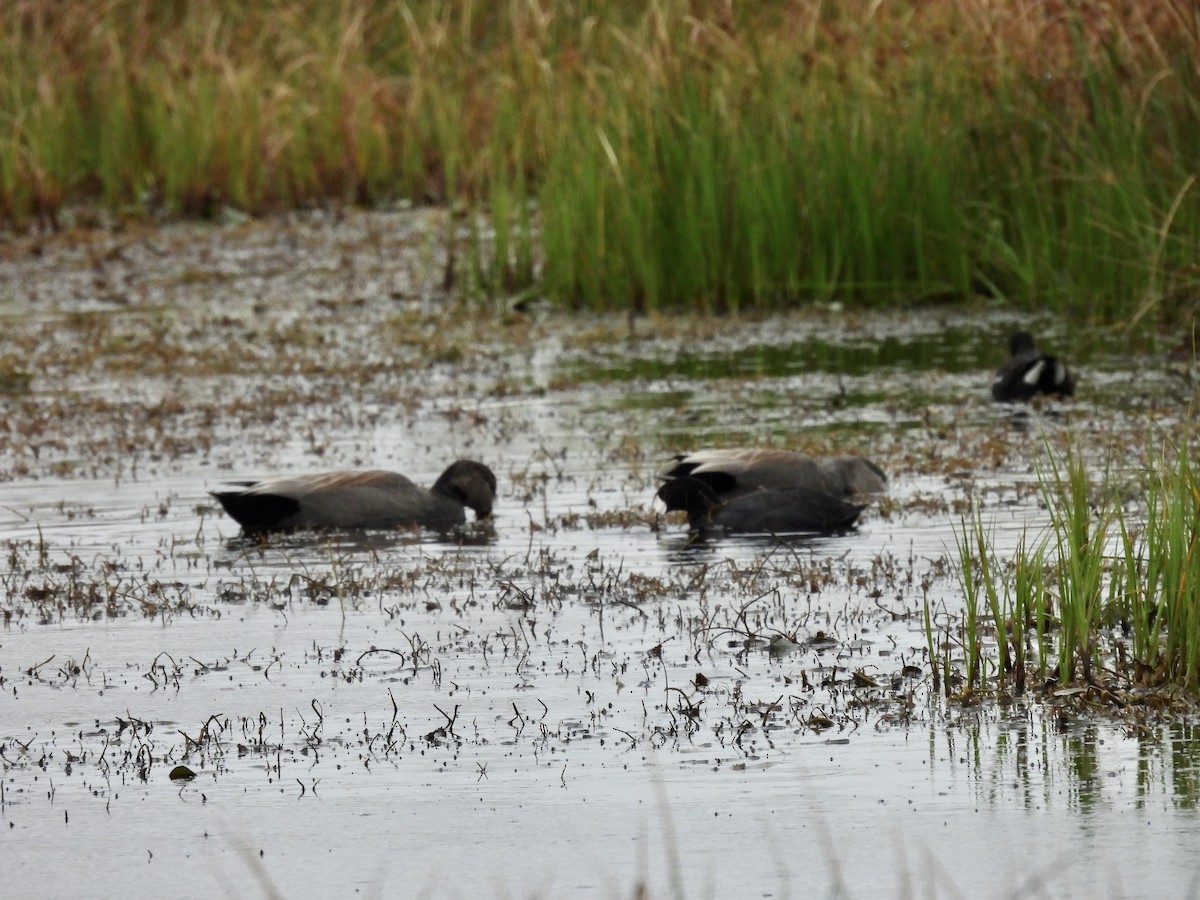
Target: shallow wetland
575, 698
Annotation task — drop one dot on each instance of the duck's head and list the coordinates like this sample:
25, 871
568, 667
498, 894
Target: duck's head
692, 496
471, 483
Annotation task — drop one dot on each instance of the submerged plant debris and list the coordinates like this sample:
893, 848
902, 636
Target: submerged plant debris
580, 676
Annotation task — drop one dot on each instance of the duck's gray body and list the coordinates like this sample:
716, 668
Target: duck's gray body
769, 491
372, 499
1029, 372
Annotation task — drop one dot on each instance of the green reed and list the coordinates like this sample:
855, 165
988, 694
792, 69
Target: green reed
975, 560
1111, 586
1158, 596
1078, 559
1007, 600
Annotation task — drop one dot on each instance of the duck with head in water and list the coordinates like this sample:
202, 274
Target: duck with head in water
769, 491
1028, 372
353, 500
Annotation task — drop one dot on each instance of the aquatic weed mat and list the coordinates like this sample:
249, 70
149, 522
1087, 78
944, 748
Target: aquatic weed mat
575, 671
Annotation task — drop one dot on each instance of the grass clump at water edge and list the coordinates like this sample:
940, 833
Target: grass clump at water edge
1106, 598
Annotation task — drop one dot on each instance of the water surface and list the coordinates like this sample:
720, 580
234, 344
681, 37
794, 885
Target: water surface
576, 699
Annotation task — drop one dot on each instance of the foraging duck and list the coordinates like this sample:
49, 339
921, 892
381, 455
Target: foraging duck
361, 500
770, 491
1029, 372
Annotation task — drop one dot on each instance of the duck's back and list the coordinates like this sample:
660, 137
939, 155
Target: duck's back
740, 471
1029, 372
373, 499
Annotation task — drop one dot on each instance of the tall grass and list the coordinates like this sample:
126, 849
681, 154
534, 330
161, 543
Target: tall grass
1010, 602
1108, 588
713, 155
1159, 593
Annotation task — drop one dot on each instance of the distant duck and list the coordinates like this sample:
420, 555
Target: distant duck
361, 500
1029, 372
769, 491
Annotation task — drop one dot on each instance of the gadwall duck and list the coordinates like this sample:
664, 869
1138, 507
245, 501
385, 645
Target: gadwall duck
1029, 372
770, 491
361, 500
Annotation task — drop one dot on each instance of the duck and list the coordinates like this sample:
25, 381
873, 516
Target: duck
768, 490
1029, 372
355, 500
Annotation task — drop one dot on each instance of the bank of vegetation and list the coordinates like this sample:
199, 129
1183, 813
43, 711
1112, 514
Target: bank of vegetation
672, 153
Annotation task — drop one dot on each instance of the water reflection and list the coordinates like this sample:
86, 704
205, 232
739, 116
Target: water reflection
1038, 763
359, 542
692, 547
1169, 759
954, 349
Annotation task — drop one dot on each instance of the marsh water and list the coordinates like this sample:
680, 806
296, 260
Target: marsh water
576, 698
